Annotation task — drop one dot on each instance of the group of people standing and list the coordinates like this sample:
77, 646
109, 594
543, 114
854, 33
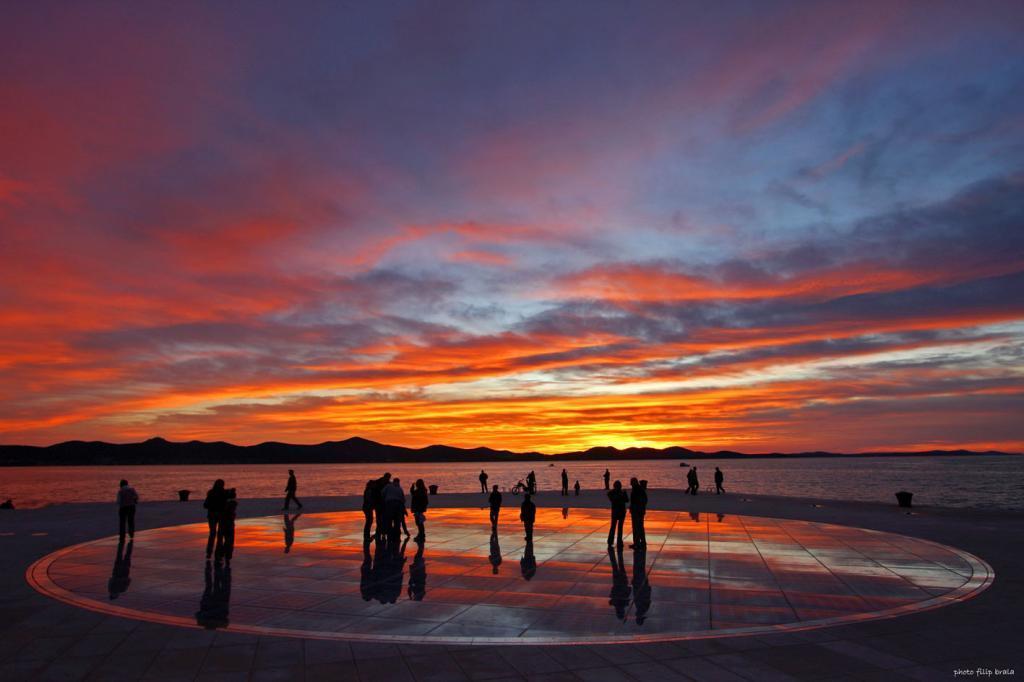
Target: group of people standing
384, 508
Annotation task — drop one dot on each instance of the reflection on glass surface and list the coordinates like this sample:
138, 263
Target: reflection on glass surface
495, 556
641, 585
120, 577
418, 575
214, 604
528, 564
619, 596
382, 578
289, 531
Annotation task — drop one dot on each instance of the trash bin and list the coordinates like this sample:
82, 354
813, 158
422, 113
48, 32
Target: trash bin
433, 489
903, 498
183, 495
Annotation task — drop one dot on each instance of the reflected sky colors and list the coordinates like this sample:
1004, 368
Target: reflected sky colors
701, 575
760, 226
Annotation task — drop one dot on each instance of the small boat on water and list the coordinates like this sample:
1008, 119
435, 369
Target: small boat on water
683, 464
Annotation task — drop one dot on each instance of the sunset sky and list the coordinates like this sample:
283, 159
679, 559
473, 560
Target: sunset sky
526, 225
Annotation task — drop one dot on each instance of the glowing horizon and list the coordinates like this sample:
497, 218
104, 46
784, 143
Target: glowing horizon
528, 227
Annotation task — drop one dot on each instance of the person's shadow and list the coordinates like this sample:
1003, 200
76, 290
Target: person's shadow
495, 556
214, 604
528, 564
619, 596
418, 574
120, 577
289, 531
641, 585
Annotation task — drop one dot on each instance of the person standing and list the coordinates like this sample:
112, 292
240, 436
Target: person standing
637, 510
420, 502
495, 502
719, 479
689, 482
289, 491
619, 499
368, 505
379, 486
531, 482
214, 506
394, 507
607, 477
696, 481
565, 483
483, 481
577, 488
528, 514
127, 498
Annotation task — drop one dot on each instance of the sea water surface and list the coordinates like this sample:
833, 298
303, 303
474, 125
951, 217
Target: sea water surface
994, 482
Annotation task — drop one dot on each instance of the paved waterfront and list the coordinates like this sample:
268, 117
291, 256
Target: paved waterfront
46, 639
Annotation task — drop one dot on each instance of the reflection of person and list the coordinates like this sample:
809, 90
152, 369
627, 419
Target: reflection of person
719, 479
127, 498
418, 575
619, 596
641, 586
528, 564
289, 491
527, 514
483, 481
495, 556
214, 604
214, 506
495, 502
120, 577
226, 529
565, 512
618, 498
289, 531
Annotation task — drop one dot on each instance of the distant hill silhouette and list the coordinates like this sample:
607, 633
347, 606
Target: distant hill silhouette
352, 450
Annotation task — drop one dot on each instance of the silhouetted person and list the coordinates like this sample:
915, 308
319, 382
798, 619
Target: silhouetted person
565, 512
721, 517
289, 490
607, 477
528, 514
214, 506
565, 483
289, 531
378, 504
366, 571
495, 502
405, 512
418, 575
531, 482
391, 575
215, 602
226, 529
619, 499
420, 501
719, 479
369, 503
528, 564
495, 556
641, 586
120, 577
577, 488
394, 508
483, 481
695, 516
619, 596
127, 498
637, 511
696, 482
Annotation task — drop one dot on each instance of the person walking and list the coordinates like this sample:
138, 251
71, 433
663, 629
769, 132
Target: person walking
607, 477
420, 502
214, 506
637, 511
696, 481
127, 498
495, 502
719, 479
528, 514
689, 482
289, 491
483, 481
565, 483
619, 499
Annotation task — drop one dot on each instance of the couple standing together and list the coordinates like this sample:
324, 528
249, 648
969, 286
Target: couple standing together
636, 499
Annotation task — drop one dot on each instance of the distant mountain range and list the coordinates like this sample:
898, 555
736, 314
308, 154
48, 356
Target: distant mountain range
352, 450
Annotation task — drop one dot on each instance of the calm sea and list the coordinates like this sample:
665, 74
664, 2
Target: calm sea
982, 482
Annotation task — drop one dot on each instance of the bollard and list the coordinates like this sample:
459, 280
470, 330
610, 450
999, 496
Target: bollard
183, 495
433, 489
903, 498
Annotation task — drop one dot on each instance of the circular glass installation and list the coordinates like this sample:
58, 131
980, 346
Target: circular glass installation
700, 575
